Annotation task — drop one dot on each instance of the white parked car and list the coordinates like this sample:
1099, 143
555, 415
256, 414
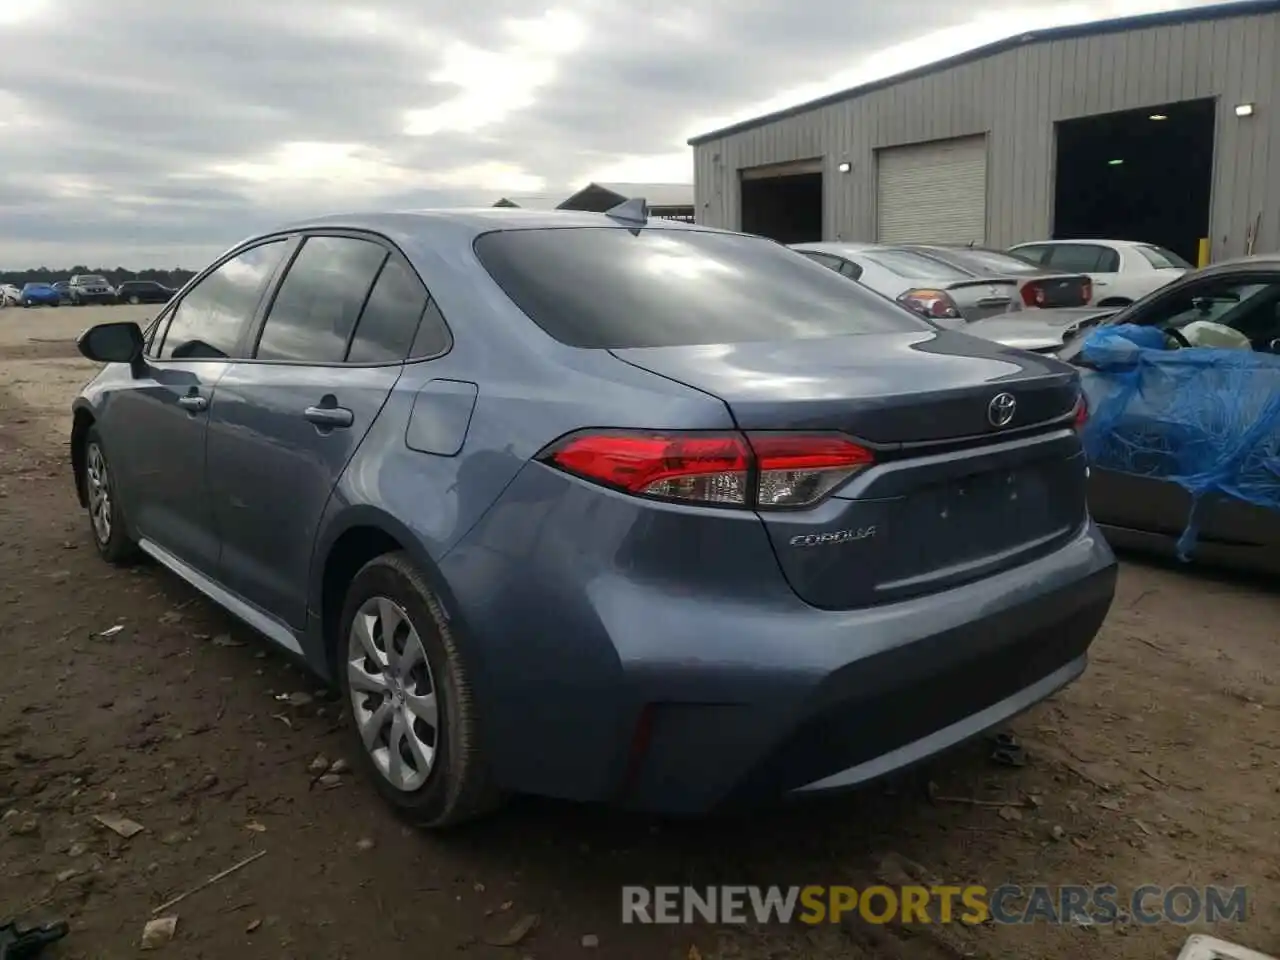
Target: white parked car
10, 296
1122, 271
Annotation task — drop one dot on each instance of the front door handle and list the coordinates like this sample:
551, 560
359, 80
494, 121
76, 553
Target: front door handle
193, 403
329, 416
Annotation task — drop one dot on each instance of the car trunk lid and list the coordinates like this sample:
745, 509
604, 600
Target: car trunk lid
955, 493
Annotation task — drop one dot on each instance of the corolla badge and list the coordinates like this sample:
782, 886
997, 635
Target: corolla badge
832, 536
1001, 409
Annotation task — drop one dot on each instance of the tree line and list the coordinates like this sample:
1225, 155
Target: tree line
115, 276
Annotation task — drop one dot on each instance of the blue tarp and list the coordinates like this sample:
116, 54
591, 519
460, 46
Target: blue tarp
1206, 419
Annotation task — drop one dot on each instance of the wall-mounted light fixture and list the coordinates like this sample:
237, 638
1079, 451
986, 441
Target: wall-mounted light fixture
845, 166
1244, 109
1157, 116
1115, 163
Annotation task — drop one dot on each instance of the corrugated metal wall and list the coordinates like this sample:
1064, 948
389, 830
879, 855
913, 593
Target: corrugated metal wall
1015, 97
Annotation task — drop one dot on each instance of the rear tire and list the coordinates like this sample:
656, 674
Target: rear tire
134, 300
106, 519
414, 720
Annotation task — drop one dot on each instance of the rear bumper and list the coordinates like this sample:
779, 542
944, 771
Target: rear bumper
911, 689
94, 297
598, 679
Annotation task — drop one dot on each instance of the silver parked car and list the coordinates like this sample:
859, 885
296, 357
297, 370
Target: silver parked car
928, 286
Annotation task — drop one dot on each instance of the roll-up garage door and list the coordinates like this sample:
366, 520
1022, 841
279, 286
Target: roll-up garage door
932, 192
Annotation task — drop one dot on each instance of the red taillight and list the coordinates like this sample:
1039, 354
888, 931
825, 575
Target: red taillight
797, 469
1086, 292
1033, 295
934, 304
1082, 412
764, 470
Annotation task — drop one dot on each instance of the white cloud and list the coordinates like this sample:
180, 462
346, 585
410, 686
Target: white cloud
493, 84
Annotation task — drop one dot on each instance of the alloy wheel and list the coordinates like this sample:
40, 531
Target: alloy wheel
98, 480
393, 693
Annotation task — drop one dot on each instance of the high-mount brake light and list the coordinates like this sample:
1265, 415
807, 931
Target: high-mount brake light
765, 470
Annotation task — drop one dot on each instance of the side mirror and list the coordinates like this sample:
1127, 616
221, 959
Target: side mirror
119, 342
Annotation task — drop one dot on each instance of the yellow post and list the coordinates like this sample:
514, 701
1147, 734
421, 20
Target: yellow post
1202, 258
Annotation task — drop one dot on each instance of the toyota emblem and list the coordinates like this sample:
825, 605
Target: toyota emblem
1001, 409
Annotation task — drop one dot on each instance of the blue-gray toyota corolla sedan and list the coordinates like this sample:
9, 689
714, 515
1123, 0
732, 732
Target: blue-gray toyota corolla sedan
601, 507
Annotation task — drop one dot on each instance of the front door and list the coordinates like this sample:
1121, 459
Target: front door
285, 423
161, 464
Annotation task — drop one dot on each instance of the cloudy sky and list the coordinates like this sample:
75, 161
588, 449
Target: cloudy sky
158, 132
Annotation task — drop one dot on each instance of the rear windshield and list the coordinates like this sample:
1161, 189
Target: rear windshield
612, 288
904, 263
989, 261
1163, 259
92, 278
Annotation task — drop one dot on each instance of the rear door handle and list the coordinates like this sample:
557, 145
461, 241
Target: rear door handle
193, 403
329, 416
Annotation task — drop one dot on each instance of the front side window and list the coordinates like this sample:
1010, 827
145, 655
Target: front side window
216, 312
319, 300
1243, 304
613, 288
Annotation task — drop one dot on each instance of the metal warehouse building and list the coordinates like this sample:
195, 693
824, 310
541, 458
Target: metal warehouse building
1158, 128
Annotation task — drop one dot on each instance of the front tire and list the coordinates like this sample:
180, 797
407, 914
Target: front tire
106, 520
414, 719
134, 300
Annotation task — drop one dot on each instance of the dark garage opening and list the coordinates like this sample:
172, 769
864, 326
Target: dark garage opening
784, 208
1137, 175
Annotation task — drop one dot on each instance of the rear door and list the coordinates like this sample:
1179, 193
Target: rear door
286, 421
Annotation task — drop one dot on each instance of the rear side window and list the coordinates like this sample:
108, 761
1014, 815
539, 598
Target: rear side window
1163, 259
612, 288
319, 300
215, 313
390, 318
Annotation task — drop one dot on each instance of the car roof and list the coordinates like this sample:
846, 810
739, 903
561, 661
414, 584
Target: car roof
1089, 242
450, 226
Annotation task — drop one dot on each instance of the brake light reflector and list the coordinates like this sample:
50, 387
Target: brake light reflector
1033, 294
797, 470
765, 470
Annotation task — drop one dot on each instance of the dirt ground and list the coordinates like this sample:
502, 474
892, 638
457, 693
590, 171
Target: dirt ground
1161, 766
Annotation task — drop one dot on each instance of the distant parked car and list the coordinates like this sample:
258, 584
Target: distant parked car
951, 298
40, 295
91, 288
64, 290
1122, 271
1028, 286
929, 286
10, 296
143, 291
601, 507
